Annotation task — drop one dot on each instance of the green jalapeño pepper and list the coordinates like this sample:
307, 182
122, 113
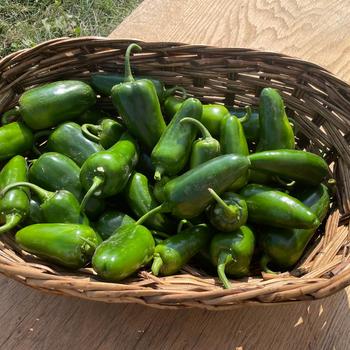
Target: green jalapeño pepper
187, 196
130, 248
205, 148
275, 130
271, 207
15, 138
171, 106
250, 125
110, 221
140, 199
54, 171
232, 253
172, 151
69, 245
229, 212
51, 104
283, 247
60, 206
106, 173
158, 188
92, 116
138, 105
300, 166
69, 140
14, 205
35, 215
173, 253
106, 133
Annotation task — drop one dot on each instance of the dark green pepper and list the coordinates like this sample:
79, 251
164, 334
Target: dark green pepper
187, 196
35, 215
172, 151
60, 206
175, 252
106, 173
229, 212
110, 221
138, 105
275, 208
69, 245
130, 248
15, 138
69, 140
300, 166
171, 106
14, 205
106, 133
140, 199
10, 116
283, 247
158, 188
275, 129
232, 253
205, 148
51, 104
250, 125
92, 116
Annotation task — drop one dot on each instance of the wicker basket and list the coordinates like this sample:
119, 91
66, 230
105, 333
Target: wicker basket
319, 104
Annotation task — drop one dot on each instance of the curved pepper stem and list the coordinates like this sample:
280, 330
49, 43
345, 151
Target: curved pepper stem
157, 264
11, 221
128, 75
149, 214
11, 116
264, 261
88, 242
203, 130
223, 260
90, 131
171, 91
96, 184
229, 209
42, 194
248, 114
182, 223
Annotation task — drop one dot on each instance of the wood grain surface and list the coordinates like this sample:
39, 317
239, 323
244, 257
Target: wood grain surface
312, 30
317, 31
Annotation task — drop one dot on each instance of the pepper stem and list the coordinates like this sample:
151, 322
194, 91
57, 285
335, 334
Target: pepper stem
171, 91
149, 214
224, 258
203, 130
248, 114
229, 209
158, 173
12, 220
97, 182
42, 194
264, 261
157, 264
89, 131
10, 116
182, 223
87, 241
128, 75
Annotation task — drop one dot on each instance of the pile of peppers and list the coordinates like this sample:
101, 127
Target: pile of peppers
161, 181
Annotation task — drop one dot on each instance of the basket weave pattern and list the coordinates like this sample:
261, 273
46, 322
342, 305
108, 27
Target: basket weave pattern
317, 101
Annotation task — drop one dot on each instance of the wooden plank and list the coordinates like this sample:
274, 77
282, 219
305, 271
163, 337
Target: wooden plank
316, 31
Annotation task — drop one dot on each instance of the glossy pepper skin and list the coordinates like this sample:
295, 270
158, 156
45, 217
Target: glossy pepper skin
229, 212
232, 253
69, 140
15, 138
138, 105
158, 188
54, 171
35, 215
283, 247
68, 245
187, 196
275, 129
106, 173
121, 255
110, 221
14, 205
56, 207
104, 82
140, 200
172, 151
271, 207
300, 166
205, 148
174, 252
51, 104
250, 125
106, 133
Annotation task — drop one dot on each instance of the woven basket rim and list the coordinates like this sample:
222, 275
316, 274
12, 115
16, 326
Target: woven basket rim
202, 292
